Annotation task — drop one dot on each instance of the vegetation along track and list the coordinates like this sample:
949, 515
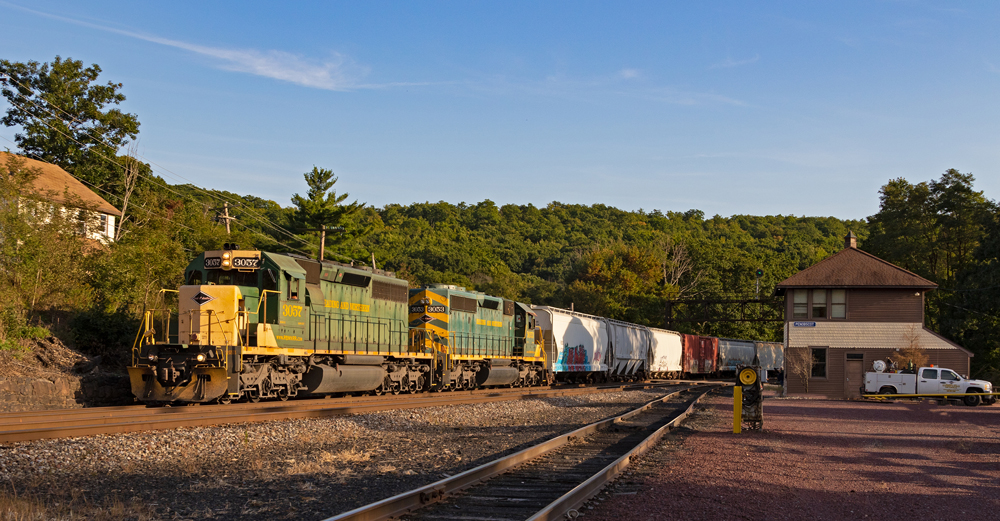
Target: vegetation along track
547, 480
110, 420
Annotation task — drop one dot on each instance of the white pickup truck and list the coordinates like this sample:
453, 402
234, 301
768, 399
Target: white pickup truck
928, 380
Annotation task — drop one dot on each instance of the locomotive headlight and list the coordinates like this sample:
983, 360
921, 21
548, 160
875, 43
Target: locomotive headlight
226, 255
200, 357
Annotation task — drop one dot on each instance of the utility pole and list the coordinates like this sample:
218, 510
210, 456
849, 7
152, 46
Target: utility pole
224, 216
322, 236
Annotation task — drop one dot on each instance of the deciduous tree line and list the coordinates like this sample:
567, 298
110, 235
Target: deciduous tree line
599, 259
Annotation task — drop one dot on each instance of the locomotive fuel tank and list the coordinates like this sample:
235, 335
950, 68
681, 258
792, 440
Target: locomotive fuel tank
324, 379
498, 372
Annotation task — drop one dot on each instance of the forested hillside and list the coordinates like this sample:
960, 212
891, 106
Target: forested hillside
598, 259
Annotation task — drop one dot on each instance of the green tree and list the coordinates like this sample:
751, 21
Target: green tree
40, 252
933, 229
323, 207
67, 118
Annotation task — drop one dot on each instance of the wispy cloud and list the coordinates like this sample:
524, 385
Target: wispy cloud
730, 63
337, 72
629, 74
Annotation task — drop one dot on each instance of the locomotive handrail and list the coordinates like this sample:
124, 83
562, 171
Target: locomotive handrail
261, 301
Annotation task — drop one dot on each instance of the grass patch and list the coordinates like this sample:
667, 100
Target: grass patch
14, 507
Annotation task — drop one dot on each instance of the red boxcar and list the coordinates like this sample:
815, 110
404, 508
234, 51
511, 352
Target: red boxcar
700, 354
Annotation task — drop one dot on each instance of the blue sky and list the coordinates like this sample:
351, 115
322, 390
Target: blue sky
802, 108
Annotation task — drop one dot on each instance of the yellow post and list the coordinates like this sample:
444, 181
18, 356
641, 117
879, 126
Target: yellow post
737, 409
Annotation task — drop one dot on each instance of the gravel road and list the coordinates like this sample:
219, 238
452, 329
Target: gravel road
818, 460
300, 469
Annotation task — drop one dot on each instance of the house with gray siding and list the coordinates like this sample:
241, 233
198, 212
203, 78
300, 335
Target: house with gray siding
849, 310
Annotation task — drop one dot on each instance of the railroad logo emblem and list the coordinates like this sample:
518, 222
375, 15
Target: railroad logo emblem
426, 318
201, 298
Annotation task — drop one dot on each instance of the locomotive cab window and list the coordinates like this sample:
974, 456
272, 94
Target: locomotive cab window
269, 280
292, 287
232, 278
194, 278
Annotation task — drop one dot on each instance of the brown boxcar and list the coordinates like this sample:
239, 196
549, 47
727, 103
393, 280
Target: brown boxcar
700, 354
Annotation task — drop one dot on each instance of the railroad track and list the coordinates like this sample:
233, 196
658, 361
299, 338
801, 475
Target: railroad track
111, 420
546, 481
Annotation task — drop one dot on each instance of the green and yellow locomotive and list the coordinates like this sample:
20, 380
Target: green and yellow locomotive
254, 325
486, 340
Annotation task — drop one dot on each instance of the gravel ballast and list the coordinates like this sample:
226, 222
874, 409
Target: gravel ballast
817, 460
298, 469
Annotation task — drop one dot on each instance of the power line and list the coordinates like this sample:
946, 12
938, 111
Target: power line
114, 162
260, 218
178, 194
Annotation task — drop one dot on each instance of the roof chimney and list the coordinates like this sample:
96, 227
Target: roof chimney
851, 241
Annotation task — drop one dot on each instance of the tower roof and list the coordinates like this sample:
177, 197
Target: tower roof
853, 268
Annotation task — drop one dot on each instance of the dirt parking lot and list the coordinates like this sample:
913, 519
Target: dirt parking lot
819, 459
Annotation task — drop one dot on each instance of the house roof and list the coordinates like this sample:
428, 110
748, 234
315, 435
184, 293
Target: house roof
53, 183
853, 268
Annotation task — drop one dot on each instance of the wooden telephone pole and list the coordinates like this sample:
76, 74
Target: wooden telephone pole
322, 236
224, 216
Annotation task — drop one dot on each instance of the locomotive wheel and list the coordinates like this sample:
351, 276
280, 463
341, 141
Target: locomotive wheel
283, 393
421, 383
253, 395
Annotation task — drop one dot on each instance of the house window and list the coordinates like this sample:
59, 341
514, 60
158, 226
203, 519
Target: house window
819, 303
838, 303
819, 362
800, 303
104, 225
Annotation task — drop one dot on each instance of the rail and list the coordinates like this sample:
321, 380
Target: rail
412, 500
26, 426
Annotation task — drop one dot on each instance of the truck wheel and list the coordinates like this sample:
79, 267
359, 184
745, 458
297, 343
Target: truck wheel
886, 389
972, 401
